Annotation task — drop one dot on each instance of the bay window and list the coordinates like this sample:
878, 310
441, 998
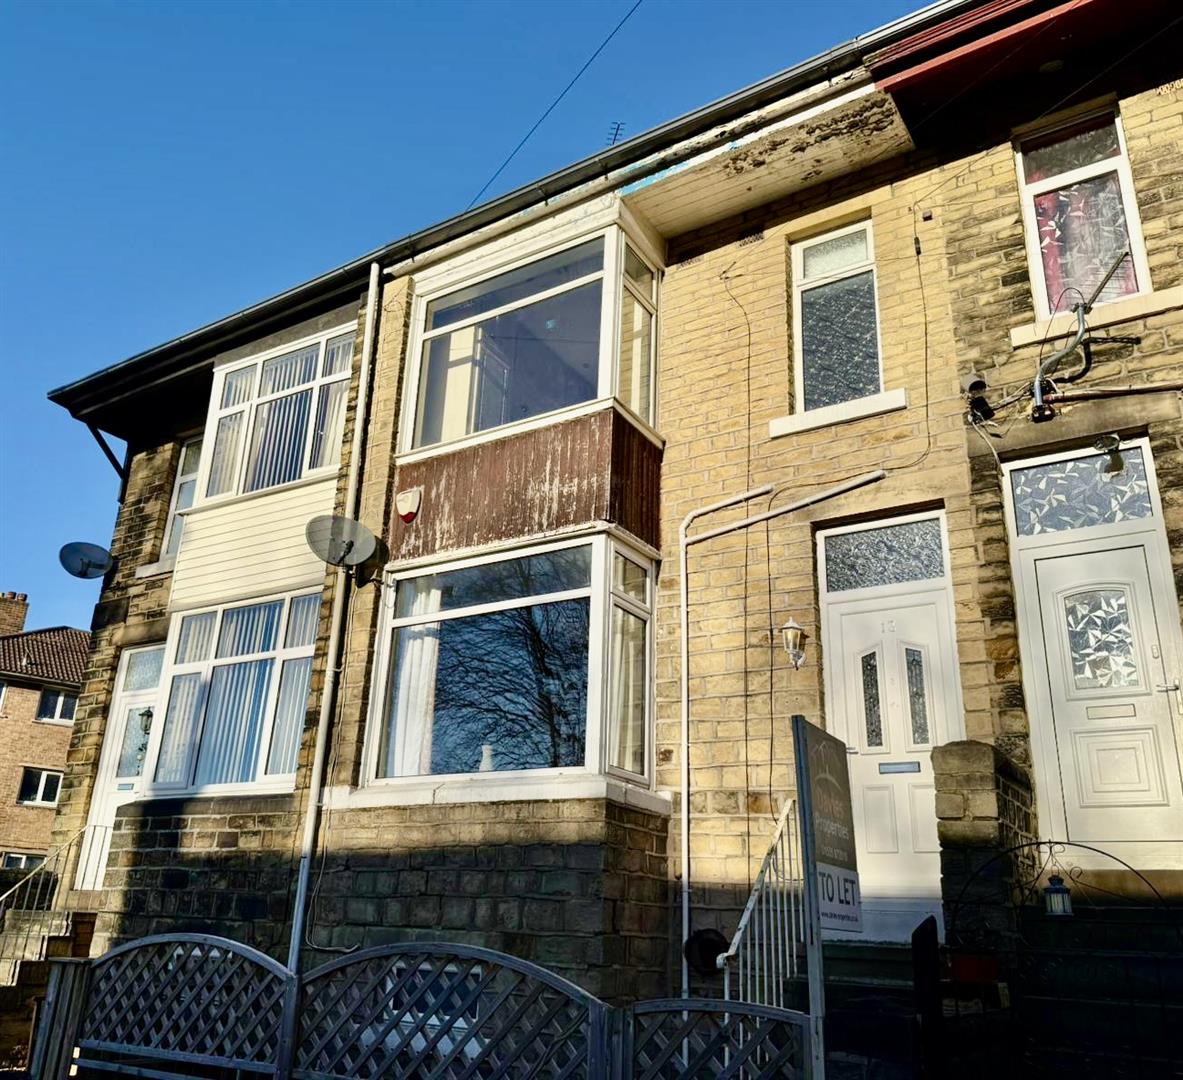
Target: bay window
562, 330
518, 663
237, 693
1080, 214
278, 417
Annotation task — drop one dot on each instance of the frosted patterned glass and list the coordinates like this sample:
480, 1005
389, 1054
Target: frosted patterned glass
833, 256
629, 689
143, 669
910, 551
839, 341
136, 728
872, 713
1101, 639
1063, 154
1076, 494
917, 695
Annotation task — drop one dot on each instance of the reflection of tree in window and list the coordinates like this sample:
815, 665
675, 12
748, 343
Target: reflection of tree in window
515, 681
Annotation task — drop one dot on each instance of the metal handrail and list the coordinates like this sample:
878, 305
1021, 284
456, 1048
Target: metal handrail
765, 948
40, 895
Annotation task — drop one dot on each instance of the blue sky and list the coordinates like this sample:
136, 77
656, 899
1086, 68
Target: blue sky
166, 164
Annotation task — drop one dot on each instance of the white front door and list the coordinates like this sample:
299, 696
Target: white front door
892, 693
121, 763
1100, 645
1112, 680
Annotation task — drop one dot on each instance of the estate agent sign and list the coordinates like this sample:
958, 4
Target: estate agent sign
823, 785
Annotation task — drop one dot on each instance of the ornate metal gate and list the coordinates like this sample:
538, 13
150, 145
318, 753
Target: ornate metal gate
196, 1006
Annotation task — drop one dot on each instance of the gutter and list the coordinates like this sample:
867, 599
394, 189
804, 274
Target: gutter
84, 397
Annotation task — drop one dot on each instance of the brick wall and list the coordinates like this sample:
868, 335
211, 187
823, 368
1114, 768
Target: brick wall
26, 742
14, 607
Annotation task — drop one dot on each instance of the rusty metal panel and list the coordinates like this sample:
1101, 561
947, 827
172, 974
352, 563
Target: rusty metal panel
592, 468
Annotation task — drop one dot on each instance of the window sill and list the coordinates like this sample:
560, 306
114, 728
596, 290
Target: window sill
321, 477
1064, 324
38, 805
157, 569
286, 787
858, 409
427, 790
53, 723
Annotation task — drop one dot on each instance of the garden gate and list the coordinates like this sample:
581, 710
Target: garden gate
198, 1006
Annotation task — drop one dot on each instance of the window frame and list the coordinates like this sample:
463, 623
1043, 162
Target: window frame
600, 689
62, 693
23, 864
250, 408
174, 515
797, 249
39, 801
263, 782
1120, 164
616, 235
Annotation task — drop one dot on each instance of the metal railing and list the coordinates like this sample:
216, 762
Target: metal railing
34, 909
769, 943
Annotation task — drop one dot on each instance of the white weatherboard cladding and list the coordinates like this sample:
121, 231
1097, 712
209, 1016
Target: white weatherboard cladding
252, 546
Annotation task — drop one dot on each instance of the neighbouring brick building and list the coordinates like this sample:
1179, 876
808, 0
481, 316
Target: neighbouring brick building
41, 672
850, 272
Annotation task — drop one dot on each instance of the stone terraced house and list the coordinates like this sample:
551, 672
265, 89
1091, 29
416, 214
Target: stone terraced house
857, 266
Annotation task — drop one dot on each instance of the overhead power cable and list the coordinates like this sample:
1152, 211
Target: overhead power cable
551, 107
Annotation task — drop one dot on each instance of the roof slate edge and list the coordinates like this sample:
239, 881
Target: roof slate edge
84, 397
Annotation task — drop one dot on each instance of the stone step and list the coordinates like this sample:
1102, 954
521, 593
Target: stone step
1127, 1029
1112, 975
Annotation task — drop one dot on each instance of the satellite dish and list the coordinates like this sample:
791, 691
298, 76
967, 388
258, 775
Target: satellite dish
83, 560
340, 541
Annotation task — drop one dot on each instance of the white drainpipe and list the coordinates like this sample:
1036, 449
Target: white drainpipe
336, 626
684, 543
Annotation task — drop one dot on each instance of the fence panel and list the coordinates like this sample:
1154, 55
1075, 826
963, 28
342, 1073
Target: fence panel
194, 1001
707, 1039
446, 1012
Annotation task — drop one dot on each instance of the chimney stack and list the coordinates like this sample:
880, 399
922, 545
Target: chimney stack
14, 606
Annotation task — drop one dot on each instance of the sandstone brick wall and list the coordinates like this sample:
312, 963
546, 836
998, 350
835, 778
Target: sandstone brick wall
27, 742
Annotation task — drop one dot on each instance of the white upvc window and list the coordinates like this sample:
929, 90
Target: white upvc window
559, 330
236, 680
836, 351
277, 417
1080, 213
184, 490
19, 860
39, 787
57, 706
535, 661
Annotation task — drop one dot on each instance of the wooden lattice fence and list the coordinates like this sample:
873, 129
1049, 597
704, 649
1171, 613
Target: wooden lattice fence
197, 1006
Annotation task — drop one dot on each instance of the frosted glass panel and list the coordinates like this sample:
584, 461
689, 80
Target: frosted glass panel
1076, 494
872, 713
1068, 152
143, 669
910, 551
917, 695
1100, 639
221, 469
137, 727
831, 256
839, 341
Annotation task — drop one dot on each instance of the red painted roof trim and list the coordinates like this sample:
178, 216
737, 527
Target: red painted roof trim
892, 83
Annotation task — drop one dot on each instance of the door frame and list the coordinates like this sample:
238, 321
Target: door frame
1025, 551
944, 583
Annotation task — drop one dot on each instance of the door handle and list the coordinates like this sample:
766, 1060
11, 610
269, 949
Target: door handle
1171, 688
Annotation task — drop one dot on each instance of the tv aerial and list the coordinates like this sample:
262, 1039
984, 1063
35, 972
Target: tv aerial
340, 541
82, 560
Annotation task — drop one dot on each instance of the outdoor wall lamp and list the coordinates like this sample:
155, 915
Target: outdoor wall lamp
793, 636
1111, 445
1057, 898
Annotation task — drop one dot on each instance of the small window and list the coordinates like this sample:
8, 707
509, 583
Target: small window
528, 341
184, 488
836, 319
280, 419
1080, 214
39, 787
16, 860
57, 706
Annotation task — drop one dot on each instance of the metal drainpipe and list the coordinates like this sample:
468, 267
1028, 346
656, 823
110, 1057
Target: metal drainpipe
684, 543
336, 626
